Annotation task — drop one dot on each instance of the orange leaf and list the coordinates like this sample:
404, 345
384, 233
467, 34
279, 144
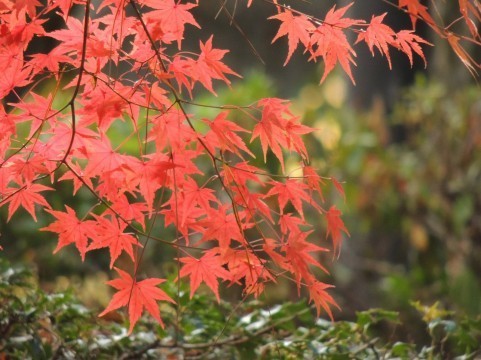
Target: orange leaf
137, 295
297, 28
378, 35
207, 269
334, 227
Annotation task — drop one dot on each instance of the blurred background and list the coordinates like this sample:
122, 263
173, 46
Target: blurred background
405, 144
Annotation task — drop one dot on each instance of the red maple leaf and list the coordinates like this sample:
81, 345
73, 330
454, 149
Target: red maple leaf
320, 297
378, 35
137, 295
243, 264
334, 227
130, 211
408, 42
209, 66
271, 129
417, 11
338, 187
110, 233
50, 61
222, 227
291, 190
172, 15
148, 175
207, 269
298, 257
192, 196
71, 230
466, 8
332, 44
297, 28
27, 197
13, 76
223, 135
28, 5
312, 180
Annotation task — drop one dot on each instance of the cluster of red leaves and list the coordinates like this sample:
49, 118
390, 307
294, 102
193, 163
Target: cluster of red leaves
327, 38
112, 66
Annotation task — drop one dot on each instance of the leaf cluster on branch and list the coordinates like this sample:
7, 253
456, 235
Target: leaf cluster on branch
122, 63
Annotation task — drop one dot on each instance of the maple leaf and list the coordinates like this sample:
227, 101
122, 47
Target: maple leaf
39, 110
222, 227
77, 176
418, 11
297, 28
331, 41
110, 234
71, 230
334, 227
252, 202
291, 190
70, 38
173, 16
378, 35
466, 8
338, 187
137, 295
28, 169
103, 107
130, 211
313, 180
298, 257
28, 5
209, 66
271, 128
243, 264
224, 135
408, 42
13, 76
27, 196
290, 223
103, 160
170, 131
320, 297
462, 54
50, 61
207, 269
149, 176
193, 195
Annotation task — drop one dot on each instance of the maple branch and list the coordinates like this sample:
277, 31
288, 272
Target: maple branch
120, 217
182, 109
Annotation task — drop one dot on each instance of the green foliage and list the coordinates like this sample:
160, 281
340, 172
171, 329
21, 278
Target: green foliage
411, 178
38, 325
